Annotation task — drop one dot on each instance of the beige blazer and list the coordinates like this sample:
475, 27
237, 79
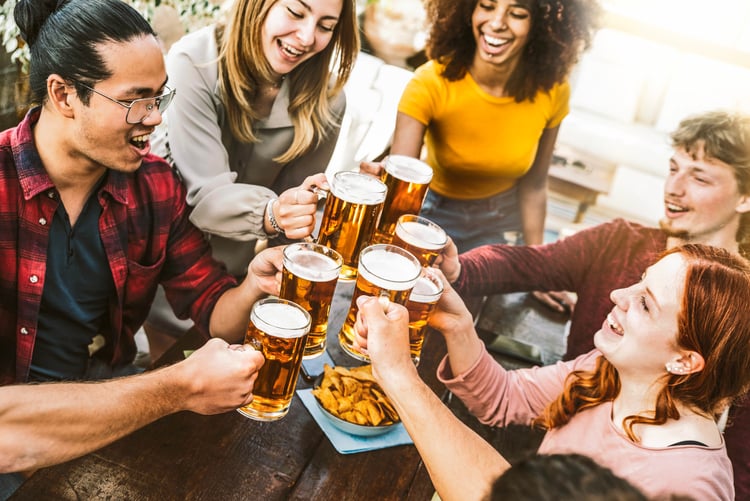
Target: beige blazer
229, 182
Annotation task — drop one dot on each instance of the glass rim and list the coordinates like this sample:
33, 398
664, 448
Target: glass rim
422, 171
424, 222
392, 249
428, 274
372, 197
332, 254
276, 300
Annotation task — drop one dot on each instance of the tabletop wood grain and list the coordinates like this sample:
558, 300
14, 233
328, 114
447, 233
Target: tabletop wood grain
227, 456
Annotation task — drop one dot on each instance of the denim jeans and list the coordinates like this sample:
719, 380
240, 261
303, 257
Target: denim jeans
471, 223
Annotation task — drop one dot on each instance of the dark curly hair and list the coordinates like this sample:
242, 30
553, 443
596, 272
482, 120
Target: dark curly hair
560, 31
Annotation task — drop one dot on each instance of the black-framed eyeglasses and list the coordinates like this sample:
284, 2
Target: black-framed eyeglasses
139, 109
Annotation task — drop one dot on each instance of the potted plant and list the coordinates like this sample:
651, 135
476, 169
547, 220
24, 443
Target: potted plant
191, 13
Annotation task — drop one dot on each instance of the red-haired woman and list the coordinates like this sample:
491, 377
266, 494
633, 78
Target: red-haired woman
669, 358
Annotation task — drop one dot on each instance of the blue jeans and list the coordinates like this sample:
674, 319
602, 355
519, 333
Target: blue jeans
471, 223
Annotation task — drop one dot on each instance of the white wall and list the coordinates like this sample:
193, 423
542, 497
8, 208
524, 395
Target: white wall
629, 91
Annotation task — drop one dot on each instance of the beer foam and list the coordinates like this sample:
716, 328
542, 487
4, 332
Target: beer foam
312, 266
280, 319
425, 291
427, 237
394, 271
357, 188
411, 170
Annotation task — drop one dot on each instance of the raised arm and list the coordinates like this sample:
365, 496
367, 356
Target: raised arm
532, 190
45, 424
232, 311
460, 463
408, 138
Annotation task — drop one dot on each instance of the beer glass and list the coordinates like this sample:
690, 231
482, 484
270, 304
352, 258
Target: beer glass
349, 217
422, 300
421, 237
278, 328
309, 279
407, 180
383, 270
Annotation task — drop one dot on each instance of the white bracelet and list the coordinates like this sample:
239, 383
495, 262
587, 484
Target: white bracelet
271, 218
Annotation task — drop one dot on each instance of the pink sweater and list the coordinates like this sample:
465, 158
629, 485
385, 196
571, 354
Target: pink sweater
498, 397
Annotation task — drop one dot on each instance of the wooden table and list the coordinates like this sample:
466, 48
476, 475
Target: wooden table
581, 177
227, 456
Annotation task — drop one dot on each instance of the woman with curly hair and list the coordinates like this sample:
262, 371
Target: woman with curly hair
670, 357
488, 106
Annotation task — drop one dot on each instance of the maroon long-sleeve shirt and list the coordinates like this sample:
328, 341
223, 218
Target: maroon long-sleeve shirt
591, 263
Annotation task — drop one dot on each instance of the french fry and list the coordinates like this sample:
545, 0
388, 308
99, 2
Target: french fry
353, 395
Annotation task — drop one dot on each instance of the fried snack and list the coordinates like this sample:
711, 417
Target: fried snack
354, 396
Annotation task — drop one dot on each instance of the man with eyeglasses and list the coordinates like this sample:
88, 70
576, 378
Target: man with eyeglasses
90, 224
139, 109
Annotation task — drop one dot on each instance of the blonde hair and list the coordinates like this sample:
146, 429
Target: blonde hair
243, 67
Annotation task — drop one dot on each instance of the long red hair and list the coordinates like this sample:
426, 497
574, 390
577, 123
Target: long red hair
714, 321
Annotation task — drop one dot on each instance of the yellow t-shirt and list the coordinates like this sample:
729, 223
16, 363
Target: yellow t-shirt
477, 144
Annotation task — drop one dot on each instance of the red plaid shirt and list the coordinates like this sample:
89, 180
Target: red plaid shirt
146, 234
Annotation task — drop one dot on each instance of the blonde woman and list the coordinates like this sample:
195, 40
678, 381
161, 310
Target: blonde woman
256, 118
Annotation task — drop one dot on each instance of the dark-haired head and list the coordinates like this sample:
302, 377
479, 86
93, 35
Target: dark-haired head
64, 36
562, 477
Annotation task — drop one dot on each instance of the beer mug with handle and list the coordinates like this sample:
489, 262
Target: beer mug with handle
278, 328
351, 212
309, 278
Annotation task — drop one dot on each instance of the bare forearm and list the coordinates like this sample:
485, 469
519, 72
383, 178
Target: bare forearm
232, 312
533, 203
532, 189
464, 346
46, 424
461, 464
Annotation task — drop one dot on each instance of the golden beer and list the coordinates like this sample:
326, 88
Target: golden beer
384, 270
309, 279
349, 217
421, 237
407, 180
278, 328
422, 301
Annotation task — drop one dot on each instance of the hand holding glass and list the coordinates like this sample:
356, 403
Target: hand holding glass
384, 271
349, 217
278, 328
